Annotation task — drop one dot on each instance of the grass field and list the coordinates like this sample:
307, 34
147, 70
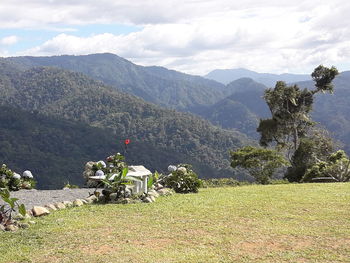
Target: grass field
274, 223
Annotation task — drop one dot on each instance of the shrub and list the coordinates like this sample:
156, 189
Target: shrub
9, 207
13, 181
182, 180
336, 168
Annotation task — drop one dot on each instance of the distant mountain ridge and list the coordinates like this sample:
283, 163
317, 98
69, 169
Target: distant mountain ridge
226, 76
158, 85
72, 96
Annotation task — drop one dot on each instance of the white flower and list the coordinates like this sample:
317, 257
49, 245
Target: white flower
27, 174
16, 176
172, 168
102, 163
99, 173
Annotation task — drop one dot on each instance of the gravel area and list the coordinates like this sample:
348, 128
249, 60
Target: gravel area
34, 197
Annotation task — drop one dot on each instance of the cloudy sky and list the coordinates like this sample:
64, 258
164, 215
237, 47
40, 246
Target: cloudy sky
194, 36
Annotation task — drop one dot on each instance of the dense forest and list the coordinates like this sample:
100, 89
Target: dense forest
72, 96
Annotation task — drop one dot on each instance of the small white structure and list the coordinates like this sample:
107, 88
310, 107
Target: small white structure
140, 172
137, 171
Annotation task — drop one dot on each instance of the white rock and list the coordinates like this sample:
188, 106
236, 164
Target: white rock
51, 207
27, 174
78, 202
40, 211
60, 205
68, 203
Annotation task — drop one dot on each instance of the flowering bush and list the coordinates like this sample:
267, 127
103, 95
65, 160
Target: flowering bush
13, 181
182, 179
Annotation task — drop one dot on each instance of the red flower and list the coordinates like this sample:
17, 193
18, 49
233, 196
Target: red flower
127, 141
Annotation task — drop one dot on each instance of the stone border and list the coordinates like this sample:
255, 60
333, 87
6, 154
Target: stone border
38, 211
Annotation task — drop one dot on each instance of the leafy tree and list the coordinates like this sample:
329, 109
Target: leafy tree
261, 163
316, 147
290, 108
336, 168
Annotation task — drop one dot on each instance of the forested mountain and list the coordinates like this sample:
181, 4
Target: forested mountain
226, 76
241, 110
56, 150
154, 84
62, 94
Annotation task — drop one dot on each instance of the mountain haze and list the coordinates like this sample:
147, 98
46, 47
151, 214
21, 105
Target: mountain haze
226, 76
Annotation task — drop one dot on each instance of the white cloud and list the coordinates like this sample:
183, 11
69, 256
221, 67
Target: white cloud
9, 40
197, 36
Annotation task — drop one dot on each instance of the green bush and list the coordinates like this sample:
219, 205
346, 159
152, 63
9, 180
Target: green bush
13, 181
182, 180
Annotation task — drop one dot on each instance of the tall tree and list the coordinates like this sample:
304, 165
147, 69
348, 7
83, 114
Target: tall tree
290, 109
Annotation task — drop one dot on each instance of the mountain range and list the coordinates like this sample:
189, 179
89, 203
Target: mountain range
169, 116
225, 76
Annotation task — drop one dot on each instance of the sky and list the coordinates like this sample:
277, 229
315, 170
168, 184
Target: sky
194, 36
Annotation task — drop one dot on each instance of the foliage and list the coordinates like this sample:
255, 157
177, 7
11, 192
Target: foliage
290, 108
13, 181
170, 134
70, 186
182, 180
116, 183
152, 179
317, 146
10, 206
261, 163
336, 168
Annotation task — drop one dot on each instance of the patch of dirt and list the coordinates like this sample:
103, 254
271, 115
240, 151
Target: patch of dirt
154, 243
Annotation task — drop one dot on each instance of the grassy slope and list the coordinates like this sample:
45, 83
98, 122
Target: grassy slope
277, 223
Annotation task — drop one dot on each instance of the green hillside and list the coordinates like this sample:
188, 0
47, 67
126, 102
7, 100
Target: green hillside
154, 84
72, 96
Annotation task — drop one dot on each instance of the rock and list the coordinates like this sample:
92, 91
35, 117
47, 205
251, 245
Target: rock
147, 200
51, 207
153, 193
30, 213
127, 193
68, 203
91, 199
2, 228
11, 228
40, 211
23, 225
31, 222
102, 198
60, 206
78, 202
152, 198
158, 186
113, 196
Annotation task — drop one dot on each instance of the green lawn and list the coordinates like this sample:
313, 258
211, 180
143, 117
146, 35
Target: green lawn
275, 223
